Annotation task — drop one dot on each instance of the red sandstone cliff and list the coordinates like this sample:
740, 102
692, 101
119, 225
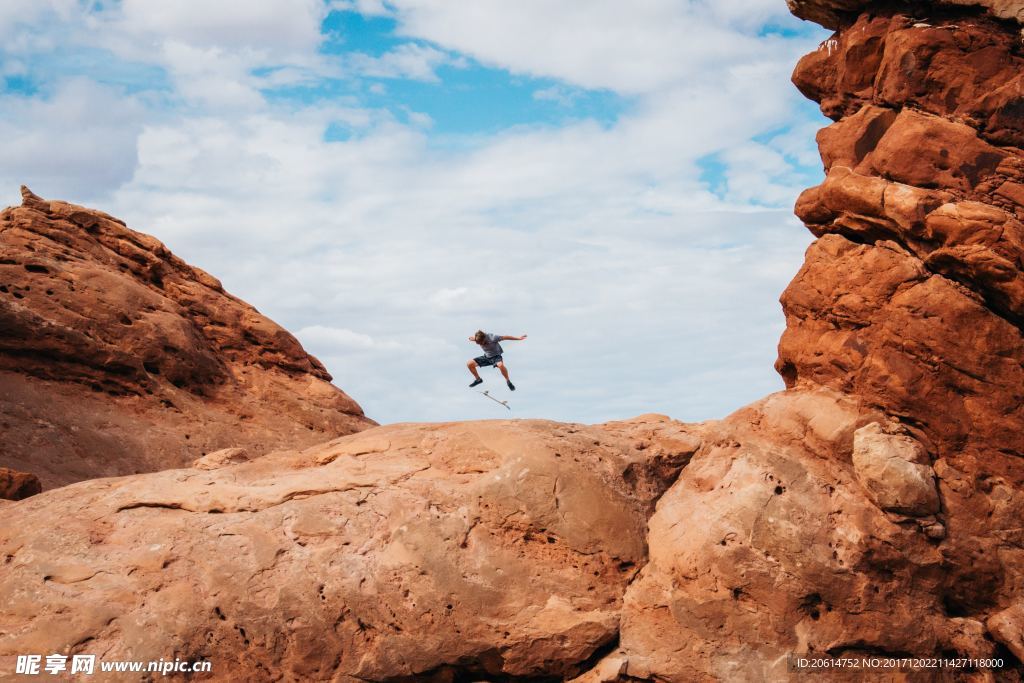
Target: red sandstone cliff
895, 523
874, 506
890, 523
117, 357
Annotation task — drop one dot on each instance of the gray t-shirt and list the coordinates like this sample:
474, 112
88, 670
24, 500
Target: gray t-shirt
491, 346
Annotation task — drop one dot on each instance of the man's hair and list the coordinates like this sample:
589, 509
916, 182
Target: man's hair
480, 336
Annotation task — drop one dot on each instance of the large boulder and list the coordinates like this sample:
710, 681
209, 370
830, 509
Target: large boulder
768, 545
493, 549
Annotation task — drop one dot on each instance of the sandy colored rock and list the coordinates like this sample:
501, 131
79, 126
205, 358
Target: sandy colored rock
498, 548
768, 545
874, 507
117, 357
894, 470
222, 458
947, 154
18, 485
896, 529
1007, 627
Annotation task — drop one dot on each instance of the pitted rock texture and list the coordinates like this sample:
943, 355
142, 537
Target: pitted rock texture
769, 544
909, 304
1008, 628
913, 298
117, 357
873, 507
489, 550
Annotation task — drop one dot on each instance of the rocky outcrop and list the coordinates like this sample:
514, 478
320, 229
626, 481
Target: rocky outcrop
771, 544
117, 357
835, 14
222, 458
873, 507
18, 485
492, 549
912, 298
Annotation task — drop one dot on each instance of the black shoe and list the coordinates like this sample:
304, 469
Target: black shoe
510, 385
476, 381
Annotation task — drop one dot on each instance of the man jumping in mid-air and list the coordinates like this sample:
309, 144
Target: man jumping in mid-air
492, 355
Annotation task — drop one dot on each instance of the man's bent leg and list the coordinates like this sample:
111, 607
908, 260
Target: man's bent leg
504, 370
472, 368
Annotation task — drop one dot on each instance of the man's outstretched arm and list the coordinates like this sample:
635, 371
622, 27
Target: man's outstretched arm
507, 338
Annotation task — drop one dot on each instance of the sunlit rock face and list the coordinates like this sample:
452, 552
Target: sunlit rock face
873, 507
117, 357
913, 297
484, 549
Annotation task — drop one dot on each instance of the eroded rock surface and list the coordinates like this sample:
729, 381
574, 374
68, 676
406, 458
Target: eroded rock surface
839, 13
873, 507
117, 357
16, 485
895, 471
900, 533
495, 549
770, 544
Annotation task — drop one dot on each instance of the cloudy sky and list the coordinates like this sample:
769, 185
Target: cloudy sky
383, 177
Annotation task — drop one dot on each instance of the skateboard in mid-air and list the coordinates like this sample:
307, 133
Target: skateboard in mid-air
488, 395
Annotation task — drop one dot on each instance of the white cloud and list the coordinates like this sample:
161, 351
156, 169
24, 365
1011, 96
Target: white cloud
80, 141
634, 47
271, 26
409, 60
799, 143
556, 94
18, 18
369, 8
757, 173
342, 339
211, 77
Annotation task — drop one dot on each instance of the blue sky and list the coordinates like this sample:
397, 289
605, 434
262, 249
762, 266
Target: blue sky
383, 178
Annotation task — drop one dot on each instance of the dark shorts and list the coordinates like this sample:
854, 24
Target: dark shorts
484, 361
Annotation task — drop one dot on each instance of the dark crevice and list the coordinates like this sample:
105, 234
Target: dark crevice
163, 506
600, 653
862, 648
487, 665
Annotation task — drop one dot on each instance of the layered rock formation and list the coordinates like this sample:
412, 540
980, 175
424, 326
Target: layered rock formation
888, 522
117, 357
873, 507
